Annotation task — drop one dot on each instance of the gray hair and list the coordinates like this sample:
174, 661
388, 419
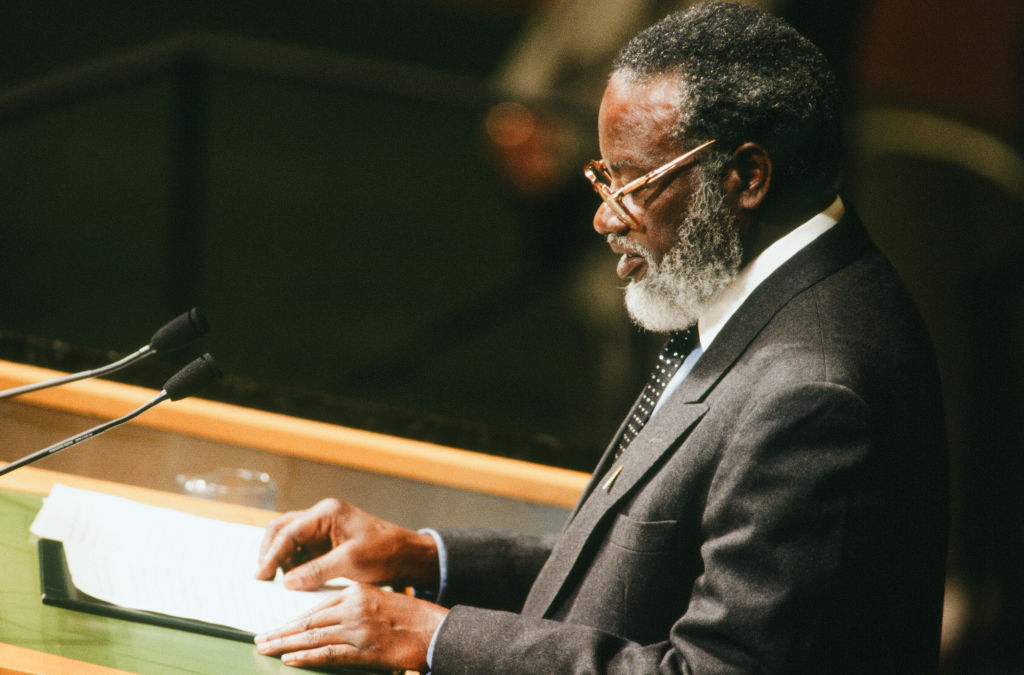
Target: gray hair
746, 76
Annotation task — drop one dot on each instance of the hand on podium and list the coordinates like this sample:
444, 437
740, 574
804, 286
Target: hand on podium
361, 625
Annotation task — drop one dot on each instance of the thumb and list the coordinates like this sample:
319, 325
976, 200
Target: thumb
312, 574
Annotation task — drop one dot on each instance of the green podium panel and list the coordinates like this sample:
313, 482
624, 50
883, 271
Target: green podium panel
125, 645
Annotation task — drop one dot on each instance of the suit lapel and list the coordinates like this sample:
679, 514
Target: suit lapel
658, 438
666, 431
606, 459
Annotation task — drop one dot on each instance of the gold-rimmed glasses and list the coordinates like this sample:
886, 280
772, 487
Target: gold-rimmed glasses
596, 171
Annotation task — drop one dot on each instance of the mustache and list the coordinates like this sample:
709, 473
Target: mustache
627, 245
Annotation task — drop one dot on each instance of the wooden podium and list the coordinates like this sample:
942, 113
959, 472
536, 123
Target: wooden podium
413, 483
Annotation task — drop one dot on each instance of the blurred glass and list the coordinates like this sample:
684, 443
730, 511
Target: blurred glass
235, 486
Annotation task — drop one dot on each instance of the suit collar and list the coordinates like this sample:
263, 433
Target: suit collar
727, 301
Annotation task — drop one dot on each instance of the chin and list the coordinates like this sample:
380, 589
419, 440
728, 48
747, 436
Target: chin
655, 311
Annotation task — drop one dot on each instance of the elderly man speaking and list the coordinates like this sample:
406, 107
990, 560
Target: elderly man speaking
776, 499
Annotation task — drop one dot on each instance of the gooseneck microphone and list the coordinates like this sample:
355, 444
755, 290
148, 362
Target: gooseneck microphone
182, 384
174, 335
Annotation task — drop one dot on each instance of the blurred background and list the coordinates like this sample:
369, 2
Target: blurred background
379, 207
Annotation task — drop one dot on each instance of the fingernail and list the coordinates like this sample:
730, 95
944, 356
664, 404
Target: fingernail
268, 646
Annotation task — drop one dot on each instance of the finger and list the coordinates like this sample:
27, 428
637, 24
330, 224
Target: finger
266, 566
313, 573
316, 617
285, 548
287, 560
308, 630
312, 638
327, 655
269, 535
313, 617
275, 526
330, 652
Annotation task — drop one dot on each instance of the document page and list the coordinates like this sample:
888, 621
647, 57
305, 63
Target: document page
161, 560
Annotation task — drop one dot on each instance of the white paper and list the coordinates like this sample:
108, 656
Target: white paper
161, 560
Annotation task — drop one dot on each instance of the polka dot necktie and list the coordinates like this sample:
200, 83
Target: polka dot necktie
672, 355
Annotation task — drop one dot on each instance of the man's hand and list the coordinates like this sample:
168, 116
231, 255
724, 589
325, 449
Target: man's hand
359, 626
334, 539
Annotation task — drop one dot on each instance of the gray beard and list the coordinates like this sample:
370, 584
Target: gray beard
676, 291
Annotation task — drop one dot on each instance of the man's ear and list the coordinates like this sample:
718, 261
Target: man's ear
751, 176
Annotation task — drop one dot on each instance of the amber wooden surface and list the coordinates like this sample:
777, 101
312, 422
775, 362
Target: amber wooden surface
310, 440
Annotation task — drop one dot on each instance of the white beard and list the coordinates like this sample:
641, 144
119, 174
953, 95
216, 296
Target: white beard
675, 292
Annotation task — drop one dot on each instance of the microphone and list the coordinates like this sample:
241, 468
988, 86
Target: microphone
182, 384
174, 335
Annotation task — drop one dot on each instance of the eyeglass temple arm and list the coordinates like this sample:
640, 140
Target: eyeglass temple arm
662, 170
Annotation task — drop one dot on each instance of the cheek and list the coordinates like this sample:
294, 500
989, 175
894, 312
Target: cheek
665, 216
662, 235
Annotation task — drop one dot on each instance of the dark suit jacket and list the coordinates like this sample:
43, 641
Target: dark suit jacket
785, 510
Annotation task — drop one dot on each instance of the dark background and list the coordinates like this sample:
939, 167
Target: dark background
321, 180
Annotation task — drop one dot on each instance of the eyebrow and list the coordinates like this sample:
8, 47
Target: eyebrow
623, 165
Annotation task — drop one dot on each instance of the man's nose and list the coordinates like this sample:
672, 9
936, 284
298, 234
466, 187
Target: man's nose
606, 222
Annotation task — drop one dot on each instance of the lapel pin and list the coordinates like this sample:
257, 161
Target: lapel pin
611, 479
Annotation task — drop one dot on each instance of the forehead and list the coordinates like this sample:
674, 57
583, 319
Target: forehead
637, 120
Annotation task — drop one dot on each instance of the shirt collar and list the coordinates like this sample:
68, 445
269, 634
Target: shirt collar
728, 300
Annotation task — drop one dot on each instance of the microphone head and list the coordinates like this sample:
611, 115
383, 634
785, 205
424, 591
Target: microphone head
180, 331
192, 378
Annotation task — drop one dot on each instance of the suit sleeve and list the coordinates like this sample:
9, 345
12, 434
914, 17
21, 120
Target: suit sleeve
491, 569
792, 492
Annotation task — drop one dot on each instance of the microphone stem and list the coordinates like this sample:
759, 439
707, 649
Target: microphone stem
84, 436
96, 372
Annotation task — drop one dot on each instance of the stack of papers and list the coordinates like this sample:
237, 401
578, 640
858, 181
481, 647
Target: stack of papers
161, 560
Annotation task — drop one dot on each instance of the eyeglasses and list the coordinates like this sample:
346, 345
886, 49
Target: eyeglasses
596, 171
